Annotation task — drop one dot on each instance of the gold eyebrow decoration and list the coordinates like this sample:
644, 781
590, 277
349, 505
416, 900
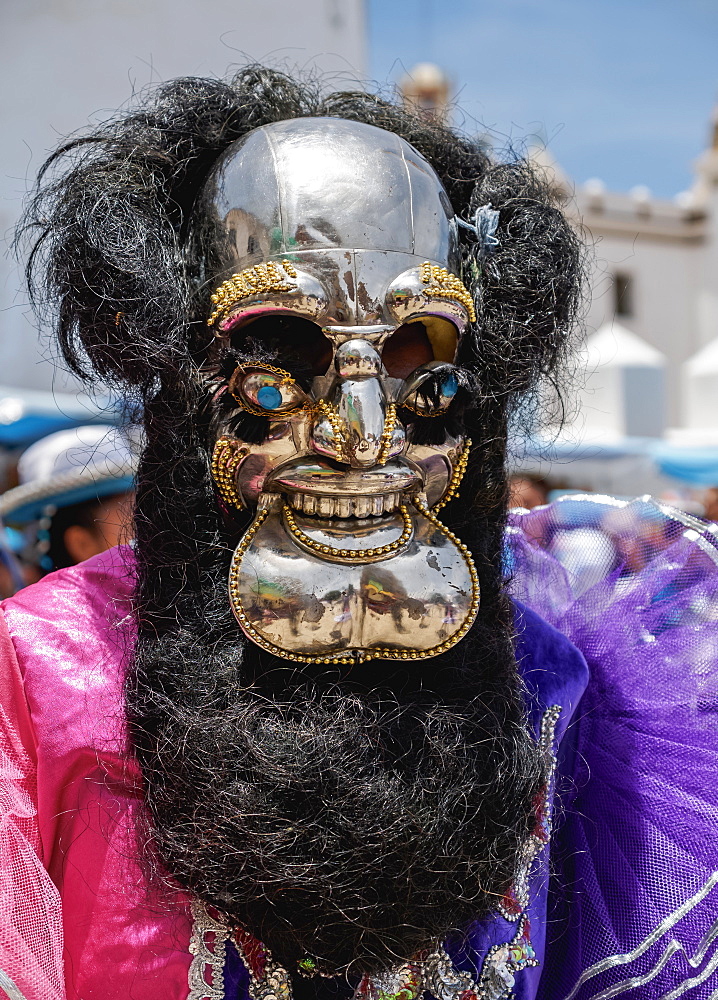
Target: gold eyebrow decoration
445, 285
257, 280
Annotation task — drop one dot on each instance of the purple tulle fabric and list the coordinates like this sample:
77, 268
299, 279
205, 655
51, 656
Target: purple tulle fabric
633, 897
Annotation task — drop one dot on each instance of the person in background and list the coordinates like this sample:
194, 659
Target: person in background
75, 496
527, 491
710, 503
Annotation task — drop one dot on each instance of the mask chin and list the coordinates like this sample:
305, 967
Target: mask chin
399, 586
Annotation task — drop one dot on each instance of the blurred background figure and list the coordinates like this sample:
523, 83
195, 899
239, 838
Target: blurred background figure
527, 490
427, 90
74, 500
709, 499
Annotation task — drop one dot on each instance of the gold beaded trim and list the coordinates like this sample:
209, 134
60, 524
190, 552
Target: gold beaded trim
325, 409
456, 477
274, 414
247, 367
362, 656
257, 280
353, 554
387, 434
445, 285
226, 459
439, 412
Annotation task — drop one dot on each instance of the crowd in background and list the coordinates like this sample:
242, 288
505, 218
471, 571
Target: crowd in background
528, 490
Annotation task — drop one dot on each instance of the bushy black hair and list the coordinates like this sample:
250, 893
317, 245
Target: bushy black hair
355, 818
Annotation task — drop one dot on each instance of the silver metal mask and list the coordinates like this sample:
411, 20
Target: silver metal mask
346, 226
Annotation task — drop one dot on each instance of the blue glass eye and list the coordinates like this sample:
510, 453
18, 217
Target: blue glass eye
264, 392
269, 397
450, 386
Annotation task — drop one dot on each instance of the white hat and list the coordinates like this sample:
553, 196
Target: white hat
69, 467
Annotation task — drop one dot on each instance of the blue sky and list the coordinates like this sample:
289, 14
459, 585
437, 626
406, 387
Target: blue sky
622, 89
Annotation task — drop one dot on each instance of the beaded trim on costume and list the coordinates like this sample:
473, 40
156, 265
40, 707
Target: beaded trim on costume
435, 973
207, 946
517, 898
442, 284
267, 979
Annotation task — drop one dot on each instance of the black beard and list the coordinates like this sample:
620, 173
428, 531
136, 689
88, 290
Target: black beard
354, 819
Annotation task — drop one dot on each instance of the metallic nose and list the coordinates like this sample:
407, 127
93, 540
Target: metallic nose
357, 359
354, 427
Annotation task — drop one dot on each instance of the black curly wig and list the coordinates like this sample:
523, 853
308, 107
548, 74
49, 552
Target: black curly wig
358, 817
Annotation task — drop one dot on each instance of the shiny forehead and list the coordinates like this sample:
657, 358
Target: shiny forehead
327, 183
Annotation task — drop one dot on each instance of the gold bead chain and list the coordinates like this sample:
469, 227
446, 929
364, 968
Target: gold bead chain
438, 412
226, 458
257, 280
387, 434
456, 477
445, 285
325, 409
382, 550
247, 368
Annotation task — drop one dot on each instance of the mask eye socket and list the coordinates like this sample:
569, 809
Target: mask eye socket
287, 336
265, 390
431, 390
426, 339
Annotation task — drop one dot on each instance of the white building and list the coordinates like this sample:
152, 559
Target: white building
651, 357
623, 386
656, 274
65, 62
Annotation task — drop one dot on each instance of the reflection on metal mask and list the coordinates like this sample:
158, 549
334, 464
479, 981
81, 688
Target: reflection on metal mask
347, 227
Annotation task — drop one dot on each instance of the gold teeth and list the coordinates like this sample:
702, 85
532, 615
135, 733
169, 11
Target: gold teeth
445, 285
347, 506
351, 554
362, 656
457, 476
257, 280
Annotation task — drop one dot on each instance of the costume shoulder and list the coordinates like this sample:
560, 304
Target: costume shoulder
88, 921
60, 686
70, 634
634, 585
72, 623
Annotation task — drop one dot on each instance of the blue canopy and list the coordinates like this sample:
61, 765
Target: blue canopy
695, 466
26, 415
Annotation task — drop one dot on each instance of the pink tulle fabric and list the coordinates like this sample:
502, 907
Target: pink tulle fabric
69, 803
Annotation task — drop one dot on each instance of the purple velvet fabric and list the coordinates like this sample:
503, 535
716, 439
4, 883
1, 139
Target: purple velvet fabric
554, 674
